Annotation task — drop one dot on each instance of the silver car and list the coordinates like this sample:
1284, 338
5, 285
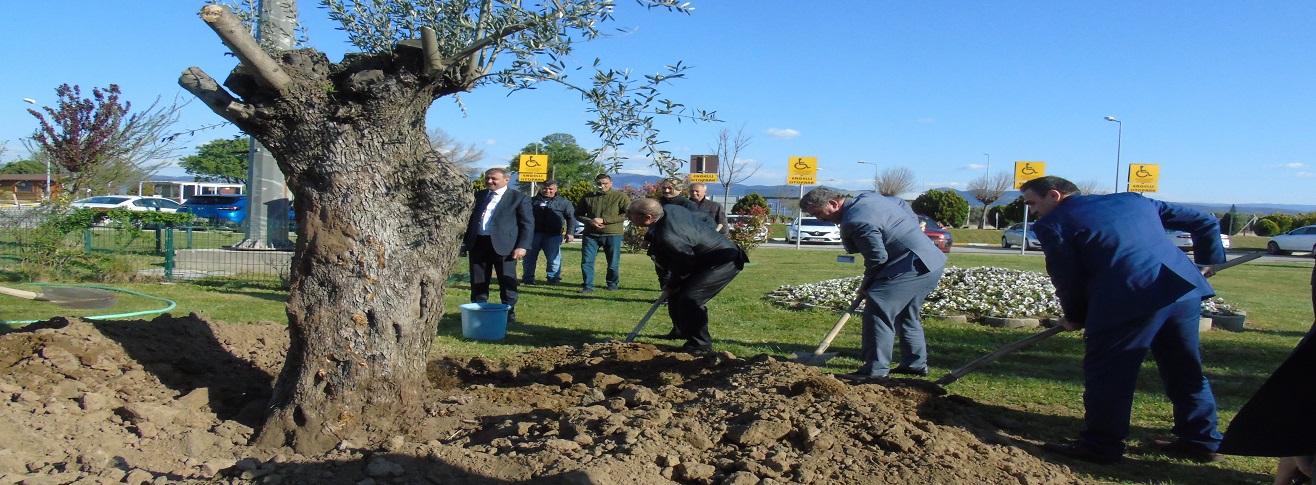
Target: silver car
1014, 236
1300, 239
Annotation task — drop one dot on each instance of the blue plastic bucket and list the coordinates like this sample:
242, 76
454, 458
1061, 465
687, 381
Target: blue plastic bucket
484, 321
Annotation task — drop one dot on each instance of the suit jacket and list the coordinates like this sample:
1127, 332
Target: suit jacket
511, 226
1110, 261
682, 244
885, 231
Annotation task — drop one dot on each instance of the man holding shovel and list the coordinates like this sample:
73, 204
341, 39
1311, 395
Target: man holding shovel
1117, 276
698, 261
901, 266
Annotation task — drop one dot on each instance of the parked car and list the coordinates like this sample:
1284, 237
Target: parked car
937, 233
1184, 241
814, 230
1014, 236
217, 210
1300, 239
760, 236
128, 202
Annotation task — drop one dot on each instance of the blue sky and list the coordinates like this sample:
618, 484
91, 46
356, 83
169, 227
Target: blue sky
1220, 94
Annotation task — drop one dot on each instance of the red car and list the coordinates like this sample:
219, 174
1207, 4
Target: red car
939, 235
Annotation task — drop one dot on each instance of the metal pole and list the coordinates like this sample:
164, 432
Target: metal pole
799, 220
1023, 245
1119, 146
990, 187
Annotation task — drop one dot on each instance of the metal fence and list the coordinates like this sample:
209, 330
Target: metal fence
30, 236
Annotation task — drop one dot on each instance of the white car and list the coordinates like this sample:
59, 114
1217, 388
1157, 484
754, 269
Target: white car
128, 202
1184, 241
1300, 239
814, 230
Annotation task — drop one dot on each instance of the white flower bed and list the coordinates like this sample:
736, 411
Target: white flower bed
973, 292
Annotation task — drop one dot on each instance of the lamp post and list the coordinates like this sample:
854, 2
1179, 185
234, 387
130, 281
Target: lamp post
47, 194
865, 162
1119, 145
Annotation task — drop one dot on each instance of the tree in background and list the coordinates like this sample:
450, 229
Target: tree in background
944, 206
465, 156
752, 200
385, 212
1012, 212
23, 166
894, 181
988, 189
1091, 187
575, 191
219, 160
99, 142
731, 169
568, 163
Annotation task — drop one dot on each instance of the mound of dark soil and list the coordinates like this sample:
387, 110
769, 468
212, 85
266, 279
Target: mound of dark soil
175, 400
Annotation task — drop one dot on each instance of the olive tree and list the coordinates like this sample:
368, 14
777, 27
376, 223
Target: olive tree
380, 213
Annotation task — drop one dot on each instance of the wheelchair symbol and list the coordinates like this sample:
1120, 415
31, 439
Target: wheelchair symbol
1142, 172
800, 164
532, 162
1028, 169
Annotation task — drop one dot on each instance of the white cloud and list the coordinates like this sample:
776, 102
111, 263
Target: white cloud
491, 141
1304, 174
927, 121
1294, 165
975, 166
782, 133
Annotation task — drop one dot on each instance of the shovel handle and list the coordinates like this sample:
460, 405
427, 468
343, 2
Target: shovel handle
26, 295
836, 329
645, 321
1237, 261
956, 374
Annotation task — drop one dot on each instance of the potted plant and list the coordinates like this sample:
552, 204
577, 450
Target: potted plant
1223, 315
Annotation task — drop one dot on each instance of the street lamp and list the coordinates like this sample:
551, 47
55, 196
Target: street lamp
875, 168
47, 194
1119, 145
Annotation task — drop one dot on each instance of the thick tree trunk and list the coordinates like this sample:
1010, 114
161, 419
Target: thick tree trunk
380, 217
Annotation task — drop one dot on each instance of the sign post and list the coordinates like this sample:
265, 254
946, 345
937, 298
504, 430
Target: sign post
801, 171
1023, 172
1144, 177
703, 168
534, 168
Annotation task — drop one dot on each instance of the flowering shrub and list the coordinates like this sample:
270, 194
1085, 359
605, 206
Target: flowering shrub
1217, 306
973, 292
747, 229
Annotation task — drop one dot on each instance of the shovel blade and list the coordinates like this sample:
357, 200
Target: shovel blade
812, 359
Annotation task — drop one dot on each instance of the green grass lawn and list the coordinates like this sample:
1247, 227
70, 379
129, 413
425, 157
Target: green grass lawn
1039, 387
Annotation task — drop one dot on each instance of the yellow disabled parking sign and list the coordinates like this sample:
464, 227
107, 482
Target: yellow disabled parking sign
1144, 177
1025, 171
534, 168
802, 171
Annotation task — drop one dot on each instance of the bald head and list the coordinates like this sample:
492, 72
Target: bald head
644, 212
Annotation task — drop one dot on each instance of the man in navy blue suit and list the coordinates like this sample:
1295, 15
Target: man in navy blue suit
1118, 277
497, 235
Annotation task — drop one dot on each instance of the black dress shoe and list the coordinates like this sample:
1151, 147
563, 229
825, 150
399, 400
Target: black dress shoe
586, 290
672, 335
921, 371
1188, 451
511, 318
528, 282
612, 287
1081, 451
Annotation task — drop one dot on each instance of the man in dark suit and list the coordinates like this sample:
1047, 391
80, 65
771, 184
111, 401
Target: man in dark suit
697, 260
901, 266
497, 235
1118, 277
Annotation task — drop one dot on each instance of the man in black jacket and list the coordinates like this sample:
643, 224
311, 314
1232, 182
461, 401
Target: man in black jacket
497, 235
698, 260
552, 223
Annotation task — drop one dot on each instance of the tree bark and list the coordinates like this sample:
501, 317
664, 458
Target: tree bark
380, 217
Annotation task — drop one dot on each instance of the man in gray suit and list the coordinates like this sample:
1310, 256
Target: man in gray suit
497, 235
901, 266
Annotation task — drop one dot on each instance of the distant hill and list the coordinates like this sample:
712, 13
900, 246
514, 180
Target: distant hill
715, 191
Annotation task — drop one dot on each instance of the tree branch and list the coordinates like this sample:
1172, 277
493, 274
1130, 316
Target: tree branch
429, 43
204, 87
230, 30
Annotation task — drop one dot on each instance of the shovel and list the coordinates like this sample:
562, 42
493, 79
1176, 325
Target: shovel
66, 296
818, 357
1028, 342
645, 321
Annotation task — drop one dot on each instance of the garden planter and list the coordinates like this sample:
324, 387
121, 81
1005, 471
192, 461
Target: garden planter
1232, 323
1011, 322
1204, 324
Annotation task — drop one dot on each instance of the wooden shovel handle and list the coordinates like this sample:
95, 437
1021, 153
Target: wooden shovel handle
27, 295
836, 329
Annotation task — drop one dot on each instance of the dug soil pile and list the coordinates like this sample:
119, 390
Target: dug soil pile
175, 399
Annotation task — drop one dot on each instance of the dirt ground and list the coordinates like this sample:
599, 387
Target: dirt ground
175, 399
